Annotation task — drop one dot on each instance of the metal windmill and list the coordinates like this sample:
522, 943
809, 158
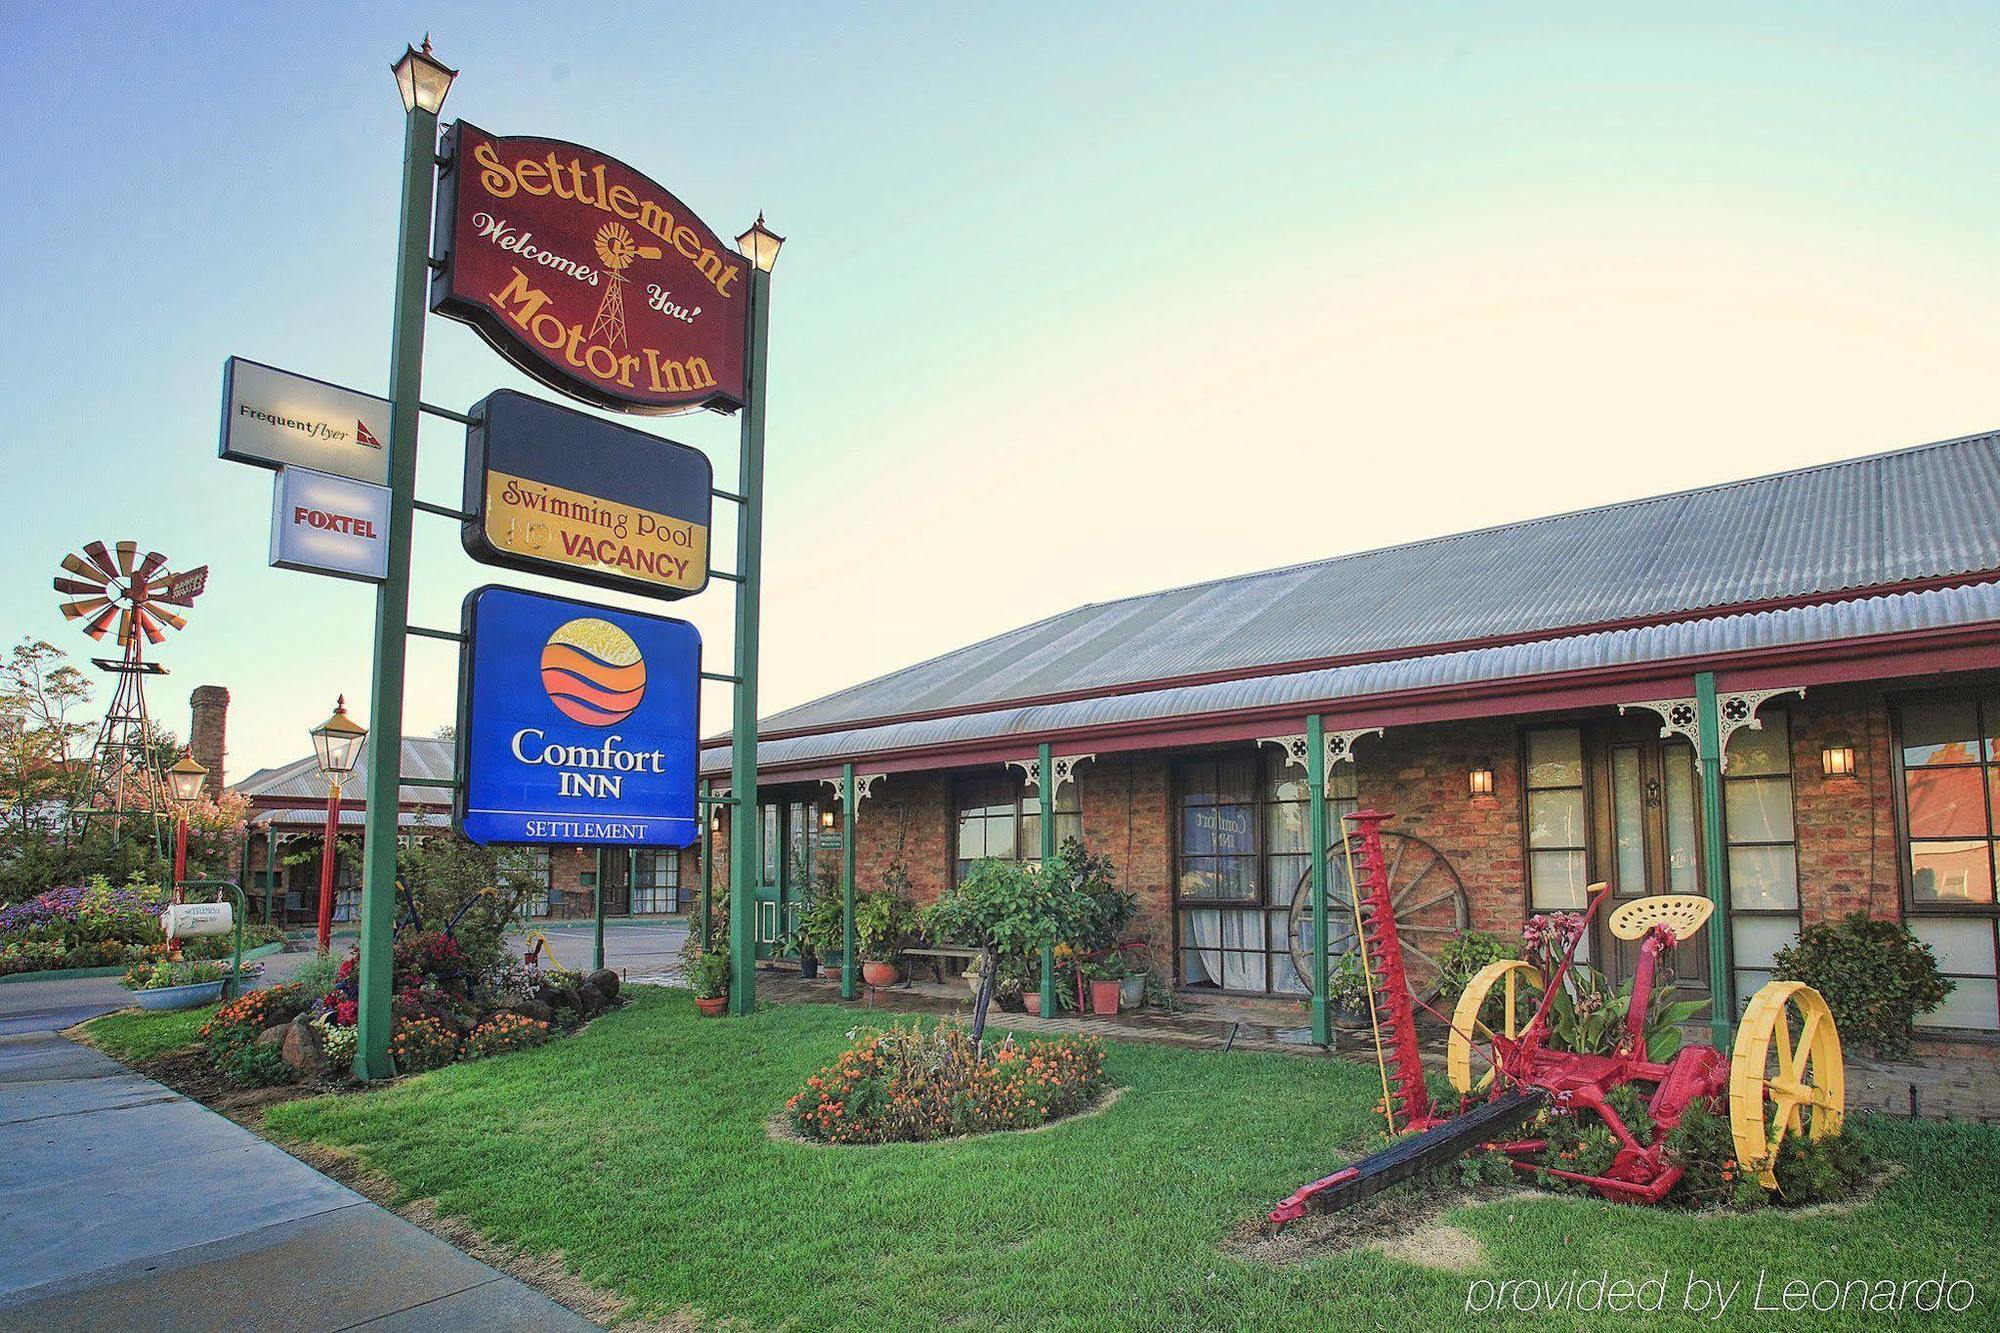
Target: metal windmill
114, 587
617, 250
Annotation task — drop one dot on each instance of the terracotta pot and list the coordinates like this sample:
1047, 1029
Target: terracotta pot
1032, 1002
712, 1008
880, 974
1104, 998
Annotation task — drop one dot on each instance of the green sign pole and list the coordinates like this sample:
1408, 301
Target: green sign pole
597, 896
850, 986
707, 812
1045, 788
1715, 862
392, 597
1322, 1024
743, 733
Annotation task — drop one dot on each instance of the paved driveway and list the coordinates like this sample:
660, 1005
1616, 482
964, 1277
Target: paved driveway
125, 1205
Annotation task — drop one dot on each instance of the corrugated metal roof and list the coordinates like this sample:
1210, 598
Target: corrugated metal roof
350, 818
301, 780
1920, 513
1827, 622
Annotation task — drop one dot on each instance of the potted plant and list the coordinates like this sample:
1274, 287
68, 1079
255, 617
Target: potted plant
1107, 980
708, 978
817, 935
881, 922
170, 984
1132, 990
1347, 990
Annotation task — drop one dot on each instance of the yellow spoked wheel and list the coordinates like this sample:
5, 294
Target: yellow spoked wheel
1509, 975
1786, 1075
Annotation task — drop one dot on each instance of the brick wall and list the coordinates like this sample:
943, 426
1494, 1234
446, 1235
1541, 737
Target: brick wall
1126, 816
1421, 775
208, 708
1846, 826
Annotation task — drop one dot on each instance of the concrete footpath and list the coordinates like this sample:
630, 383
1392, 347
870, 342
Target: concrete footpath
125, 1205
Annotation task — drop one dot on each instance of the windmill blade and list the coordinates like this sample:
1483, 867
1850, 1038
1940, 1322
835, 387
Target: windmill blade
101, 558
77, 565
125, 628
100, 622
128, 556
78, 587
158, 612
153, 561
144, 619
72, 610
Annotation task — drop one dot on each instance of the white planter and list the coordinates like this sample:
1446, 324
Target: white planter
179, 997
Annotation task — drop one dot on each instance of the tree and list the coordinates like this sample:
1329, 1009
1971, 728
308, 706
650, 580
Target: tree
41, 740
1004, 909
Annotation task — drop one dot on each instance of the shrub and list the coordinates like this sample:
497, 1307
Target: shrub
1808, 1170
261, 1009
884, 919
912, 1084
1875, 976
1463, 955
503, 1033
339, 1044
162, 973
254, 1064
708, 974
81, 917
317, 975
418, 1044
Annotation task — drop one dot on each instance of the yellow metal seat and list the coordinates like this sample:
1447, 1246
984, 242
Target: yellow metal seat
1681, 913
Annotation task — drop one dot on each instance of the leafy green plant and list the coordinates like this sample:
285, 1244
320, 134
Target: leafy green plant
254, 1064
818, 932
708, 974
162, 973
420, 1043
1875, 976
1347, 984
1008, 911
1462, 956
883, 923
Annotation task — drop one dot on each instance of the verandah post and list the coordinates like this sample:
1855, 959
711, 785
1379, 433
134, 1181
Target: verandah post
1322, 1025
1715, 862
707, 812
849, 987
1045, 790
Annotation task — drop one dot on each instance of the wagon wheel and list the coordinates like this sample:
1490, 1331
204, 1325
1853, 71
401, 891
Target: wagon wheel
1786, 1074
1473, 1021
1425, 891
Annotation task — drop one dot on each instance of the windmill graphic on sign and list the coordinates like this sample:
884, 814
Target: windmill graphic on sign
617, 249
126, 776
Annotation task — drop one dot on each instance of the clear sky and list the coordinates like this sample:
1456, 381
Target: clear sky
1078, 301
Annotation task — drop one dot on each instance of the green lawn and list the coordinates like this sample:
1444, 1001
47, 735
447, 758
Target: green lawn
638, 1150
133, 1035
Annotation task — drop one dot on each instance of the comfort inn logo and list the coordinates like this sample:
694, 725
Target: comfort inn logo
593, 672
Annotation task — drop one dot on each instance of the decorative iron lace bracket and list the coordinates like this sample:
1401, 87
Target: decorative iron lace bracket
1734, 711
1063, 764
1339, 748
863, 787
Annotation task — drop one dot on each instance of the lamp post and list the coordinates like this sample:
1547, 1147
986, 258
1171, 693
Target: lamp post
337, 744
185, 779
423, 81
760, 246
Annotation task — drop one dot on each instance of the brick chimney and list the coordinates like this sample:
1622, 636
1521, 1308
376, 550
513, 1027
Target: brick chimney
210, 707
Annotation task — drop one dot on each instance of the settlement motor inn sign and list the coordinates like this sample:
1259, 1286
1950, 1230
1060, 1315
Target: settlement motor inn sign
588, 276
576, 723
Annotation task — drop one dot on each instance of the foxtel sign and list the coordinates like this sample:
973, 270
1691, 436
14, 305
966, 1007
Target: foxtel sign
577, 724
588, 276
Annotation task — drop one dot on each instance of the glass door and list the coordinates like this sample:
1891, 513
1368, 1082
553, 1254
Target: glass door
784, 870
1649, 824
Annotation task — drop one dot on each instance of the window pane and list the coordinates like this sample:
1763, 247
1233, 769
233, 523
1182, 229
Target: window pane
1758, 938
1758, 809
1683, 874
1555, 758
1285, 828
1284, 780
1282, 876
1951, 872
1234, 833
1000, 837
1236, 780
1971, 1004
1940, 731
1557, 879
1236, 878
1342, 784
1197, 783
1761, 752
971, 838
1962, 947
1198, 831
1627, 819
1555, 819
1946, 802
1197, 880
1285, 979
1765, 878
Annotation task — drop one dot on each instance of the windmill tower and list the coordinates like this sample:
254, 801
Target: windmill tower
125, 777
617, 250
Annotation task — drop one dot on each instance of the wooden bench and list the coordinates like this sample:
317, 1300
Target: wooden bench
939, 956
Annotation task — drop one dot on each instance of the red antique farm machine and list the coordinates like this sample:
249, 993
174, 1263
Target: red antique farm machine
1785, 1075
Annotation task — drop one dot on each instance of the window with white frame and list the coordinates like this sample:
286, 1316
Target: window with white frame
534, 867
656, 881
1949, 751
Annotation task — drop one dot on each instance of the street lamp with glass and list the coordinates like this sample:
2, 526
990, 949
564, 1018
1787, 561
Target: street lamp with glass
337, 745
184, 781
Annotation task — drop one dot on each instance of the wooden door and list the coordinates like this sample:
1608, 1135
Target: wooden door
1648, 836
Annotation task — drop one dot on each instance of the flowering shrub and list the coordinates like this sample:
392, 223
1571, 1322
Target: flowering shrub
911, 1084
80, 925
503, 1033
258, 1010
418, 1044
339, 1044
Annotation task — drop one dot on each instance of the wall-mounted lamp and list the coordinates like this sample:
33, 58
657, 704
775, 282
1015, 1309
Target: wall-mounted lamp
1481, 781
715, 819
826, 817
1837, 761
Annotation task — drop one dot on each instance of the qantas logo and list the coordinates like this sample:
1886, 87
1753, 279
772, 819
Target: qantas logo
362, 435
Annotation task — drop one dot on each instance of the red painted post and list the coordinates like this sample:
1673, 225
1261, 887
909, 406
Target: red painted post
180, 853
328, 860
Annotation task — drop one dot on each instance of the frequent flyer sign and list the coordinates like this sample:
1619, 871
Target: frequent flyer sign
589, 276
559, 492
576, 723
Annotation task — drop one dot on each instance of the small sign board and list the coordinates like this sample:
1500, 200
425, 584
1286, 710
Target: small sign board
555, 491
832, 842
274, 418
186, 921
577, 723
589, 276
324, 524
